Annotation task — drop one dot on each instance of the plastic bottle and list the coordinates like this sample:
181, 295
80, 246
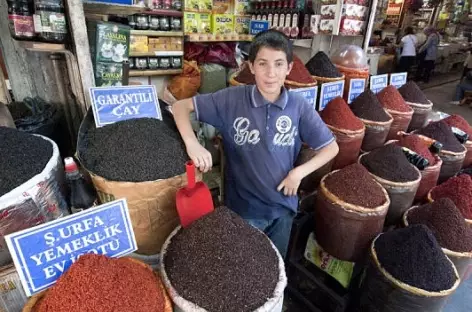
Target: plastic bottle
50, 21
82, 195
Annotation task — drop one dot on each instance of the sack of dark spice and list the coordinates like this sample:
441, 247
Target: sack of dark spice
418, 101
452, 232
143, 161
321, 67
376, 120
459, 122
407, 271
390, 167
348, 129
452, 154
459, 190
394, 104
350, 211
101, 284
221, 263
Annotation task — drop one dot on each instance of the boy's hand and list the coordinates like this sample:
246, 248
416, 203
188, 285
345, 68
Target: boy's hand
200, 156
291, 183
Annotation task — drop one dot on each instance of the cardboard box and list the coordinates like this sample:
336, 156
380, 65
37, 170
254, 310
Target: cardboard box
109, 42
138, 43
221, 7
205, 6
241, 24
222, 24
108, 74
204, 23
12, 295
191, 22
241, 7
191, 5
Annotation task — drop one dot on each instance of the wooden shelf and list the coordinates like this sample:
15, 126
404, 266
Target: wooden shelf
157, 53
155, 33
152, 72
163, 12
42, 46
217, 38
112, 9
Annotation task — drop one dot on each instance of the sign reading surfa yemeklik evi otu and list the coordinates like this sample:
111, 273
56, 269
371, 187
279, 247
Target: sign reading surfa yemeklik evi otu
112, 104
41, 254
329, 91
310, 94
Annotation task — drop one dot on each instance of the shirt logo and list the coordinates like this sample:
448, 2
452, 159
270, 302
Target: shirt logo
243, 134
286, 133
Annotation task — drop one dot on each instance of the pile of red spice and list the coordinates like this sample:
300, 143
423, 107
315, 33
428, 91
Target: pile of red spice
418, 145
391, 99
101, 284
299, 72
245, 76
459, 190
338, 114
459, 122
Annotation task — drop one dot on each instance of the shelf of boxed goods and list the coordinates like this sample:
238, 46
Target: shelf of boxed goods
216, 38
91, 7
155, 33
151, 72
157, 53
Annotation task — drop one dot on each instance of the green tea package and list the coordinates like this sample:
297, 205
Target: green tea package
109, 42
108, 74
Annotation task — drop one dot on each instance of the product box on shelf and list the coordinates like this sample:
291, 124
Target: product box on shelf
138, 43
12, 295
221, 7
205, 6
222, 24
241, 24
159, 44
108, 74
109, 42
204, 23
191, 5
191, 22
176, 43
241, 7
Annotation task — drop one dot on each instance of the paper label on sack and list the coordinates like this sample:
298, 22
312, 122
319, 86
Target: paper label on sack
329, 91
377, 83
41, 254
398, 79
113, 104
356, 87
310, 94
340, 270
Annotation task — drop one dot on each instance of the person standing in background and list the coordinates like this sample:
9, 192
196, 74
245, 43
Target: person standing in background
467, 64
427, 55
408, 55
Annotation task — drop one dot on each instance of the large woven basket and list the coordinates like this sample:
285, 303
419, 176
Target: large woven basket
30, 306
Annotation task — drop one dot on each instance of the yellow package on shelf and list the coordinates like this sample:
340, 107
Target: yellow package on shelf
205, 6
138, 43
204, 23
241, 7
191, 22
223, 24
241, 24
191, 5
221, 6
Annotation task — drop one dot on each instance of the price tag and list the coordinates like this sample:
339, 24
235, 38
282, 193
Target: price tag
330, 91
377, 83
398, 79
356, 87
113, 104
256, 27
309, 94
41, 254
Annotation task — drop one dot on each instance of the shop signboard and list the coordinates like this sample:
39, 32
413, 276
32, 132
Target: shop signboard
256, 27
41, 254
113, 104
310, 94
377, 83
330, 91
356, 87
398, 79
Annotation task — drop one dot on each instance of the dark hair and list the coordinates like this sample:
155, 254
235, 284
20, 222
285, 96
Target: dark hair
409, 30
270, 39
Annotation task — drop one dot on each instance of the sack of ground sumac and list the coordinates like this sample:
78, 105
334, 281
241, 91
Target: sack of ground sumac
187, 83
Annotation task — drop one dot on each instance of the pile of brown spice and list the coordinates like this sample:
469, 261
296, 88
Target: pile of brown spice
338, 114
97, 283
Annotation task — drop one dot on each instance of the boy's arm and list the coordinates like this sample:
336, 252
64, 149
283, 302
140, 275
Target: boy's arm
197, 153
291, 183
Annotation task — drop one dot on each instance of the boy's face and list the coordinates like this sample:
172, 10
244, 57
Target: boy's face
270, 69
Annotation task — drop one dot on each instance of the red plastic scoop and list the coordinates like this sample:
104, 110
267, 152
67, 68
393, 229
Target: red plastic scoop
194, 200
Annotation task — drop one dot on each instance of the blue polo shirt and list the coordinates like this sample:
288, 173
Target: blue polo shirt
262, 141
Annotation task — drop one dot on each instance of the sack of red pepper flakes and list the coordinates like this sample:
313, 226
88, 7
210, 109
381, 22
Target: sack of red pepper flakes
299, 76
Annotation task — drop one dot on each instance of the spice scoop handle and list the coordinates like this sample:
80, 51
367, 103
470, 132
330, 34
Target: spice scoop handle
190, 169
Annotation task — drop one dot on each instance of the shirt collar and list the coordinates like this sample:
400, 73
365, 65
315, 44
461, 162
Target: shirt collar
258, 99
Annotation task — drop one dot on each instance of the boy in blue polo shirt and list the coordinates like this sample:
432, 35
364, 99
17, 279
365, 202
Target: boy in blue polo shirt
263, 127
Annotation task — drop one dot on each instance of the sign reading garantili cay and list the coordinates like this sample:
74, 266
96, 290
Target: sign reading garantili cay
41, 254
112, 104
